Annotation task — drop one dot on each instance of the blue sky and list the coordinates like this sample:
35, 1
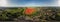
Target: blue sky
30, 2
27, 1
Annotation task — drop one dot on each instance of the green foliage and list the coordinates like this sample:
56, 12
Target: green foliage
11, 13
16, 12
3, 15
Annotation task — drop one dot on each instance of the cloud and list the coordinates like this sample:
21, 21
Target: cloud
58, 2
3, 2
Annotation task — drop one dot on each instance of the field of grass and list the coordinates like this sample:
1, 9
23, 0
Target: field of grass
38, 14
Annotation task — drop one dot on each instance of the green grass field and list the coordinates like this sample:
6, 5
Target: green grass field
30, 13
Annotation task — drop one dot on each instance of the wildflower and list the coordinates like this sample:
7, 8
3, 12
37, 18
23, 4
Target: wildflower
30, 11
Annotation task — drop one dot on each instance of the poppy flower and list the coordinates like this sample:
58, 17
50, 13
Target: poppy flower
30, 11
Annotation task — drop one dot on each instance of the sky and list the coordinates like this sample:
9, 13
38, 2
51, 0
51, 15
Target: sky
28, 2
31, 2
